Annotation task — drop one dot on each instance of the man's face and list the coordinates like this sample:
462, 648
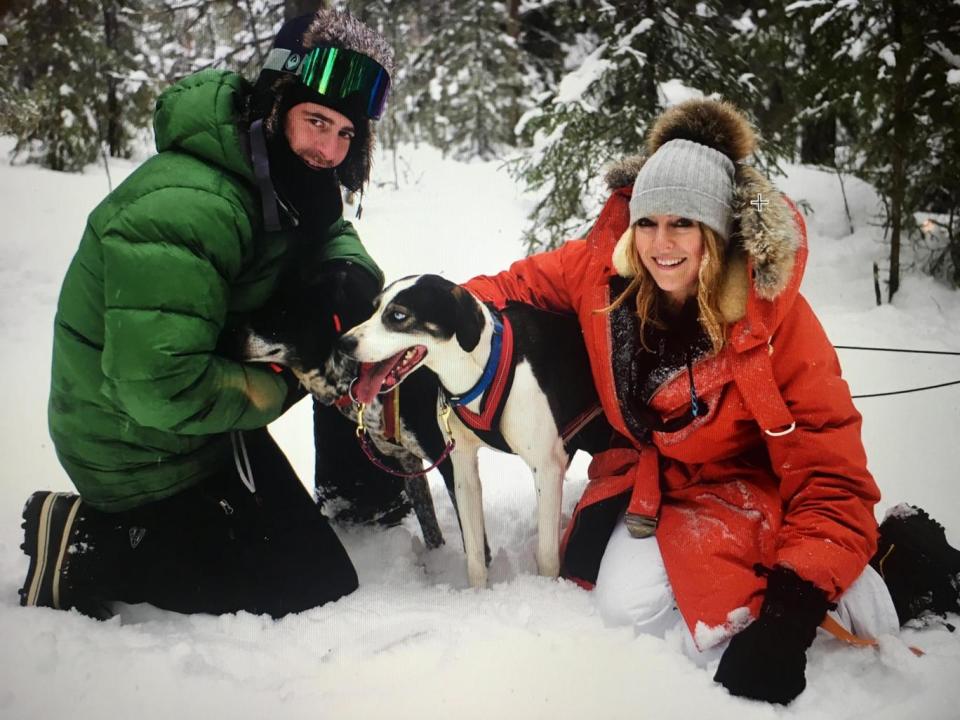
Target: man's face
319, 135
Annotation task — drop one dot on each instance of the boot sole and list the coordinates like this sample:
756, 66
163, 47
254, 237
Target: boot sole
42, 549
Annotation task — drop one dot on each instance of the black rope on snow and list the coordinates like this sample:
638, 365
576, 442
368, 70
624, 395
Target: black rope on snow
901, 350
904, 392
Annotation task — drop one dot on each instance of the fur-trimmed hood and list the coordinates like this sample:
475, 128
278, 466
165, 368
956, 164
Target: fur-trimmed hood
765, 243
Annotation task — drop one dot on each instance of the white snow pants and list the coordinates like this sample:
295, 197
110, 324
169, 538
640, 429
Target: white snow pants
632, 589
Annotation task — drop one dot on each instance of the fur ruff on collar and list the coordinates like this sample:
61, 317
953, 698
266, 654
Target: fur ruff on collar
769, 239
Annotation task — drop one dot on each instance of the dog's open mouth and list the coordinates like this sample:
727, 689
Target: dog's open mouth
379, 377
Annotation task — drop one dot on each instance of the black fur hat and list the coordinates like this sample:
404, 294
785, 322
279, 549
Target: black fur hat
276, 91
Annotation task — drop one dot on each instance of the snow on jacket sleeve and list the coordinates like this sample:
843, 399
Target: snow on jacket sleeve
551, 280
829, 532
168, 259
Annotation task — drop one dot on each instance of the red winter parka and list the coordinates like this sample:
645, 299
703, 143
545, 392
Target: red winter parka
773, 473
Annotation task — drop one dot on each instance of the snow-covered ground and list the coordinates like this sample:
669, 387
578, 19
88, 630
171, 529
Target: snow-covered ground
414, 641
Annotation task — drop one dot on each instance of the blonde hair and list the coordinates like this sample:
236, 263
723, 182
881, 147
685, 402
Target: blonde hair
709, 281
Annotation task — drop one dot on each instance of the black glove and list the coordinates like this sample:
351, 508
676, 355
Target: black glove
767, 660
353, 289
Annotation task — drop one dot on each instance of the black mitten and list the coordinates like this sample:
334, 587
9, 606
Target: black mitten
353, 289
767, 660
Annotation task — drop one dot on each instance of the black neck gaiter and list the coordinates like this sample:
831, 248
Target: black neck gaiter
313, 195
682, 338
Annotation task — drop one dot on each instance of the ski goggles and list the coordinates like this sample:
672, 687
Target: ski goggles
339, 74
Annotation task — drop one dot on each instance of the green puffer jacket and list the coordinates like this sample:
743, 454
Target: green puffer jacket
141, 405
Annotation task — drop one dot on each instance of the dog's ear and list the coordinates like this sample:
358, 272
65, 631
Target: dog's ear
469, 318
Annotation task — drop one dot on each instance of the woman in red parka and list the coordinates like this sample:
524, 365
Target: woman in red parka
738, 487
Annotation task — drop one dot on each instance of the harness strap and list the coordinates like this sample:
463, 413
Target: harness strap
486, 423
365, 445
580, 422
391, 415
371, 456
261, 170
643, 510
493, 364
753, 375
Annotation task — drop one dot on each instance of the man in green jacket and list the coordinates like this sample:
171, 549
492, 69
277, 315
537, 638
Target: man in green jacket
184, 500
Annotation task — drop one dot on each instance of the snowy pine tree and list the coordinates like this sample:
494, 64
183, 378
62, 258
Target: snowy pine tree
19, 113
129, 83
56, 52
194, 35
76, 69
624, 60
467, 83
770, 44
893, 78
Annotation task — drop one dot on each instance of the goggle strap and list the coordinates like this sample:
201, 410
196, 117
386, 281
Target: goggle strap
277, 60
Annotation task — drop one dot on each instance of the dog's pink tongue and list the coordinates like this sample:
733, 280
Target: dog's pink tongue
371, 378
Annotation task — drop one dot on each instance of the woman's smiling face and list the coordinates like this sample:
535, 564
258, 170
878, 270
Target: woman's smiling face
671, 249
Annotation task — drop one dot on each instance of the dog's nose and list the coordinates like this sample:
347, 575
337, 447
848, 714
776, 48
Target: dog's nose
347, 344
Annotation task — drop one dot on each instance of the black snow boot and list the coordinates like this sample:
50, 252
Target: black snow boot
349, 487
51, 540
921, 570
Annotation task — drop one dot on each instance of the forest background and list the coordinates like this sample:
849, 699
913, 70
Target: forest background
554, 88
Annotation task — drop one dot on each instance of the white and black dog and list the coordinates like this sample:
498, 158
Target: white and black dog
298, 327
519, 381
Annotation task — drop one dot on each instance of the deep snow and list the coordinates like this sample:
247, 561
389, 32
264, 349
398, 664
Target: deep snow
414, 641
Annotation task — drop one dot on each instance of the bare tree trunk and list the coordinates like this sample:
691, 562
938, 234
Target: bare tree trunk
953, 240
55, 152
252, 27
876, 284
390, 124
843, 191
653, 55
480, 130
902, 130
513, 19
513, 30
113, 135
818, 143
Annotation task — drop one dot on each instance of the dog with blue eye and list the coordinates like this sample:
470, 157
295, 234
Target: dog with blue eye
516, 380
298, 328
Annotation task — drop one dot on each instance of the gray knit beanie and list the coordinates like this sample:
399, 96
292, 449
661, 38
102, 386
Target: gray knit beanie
687, 179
